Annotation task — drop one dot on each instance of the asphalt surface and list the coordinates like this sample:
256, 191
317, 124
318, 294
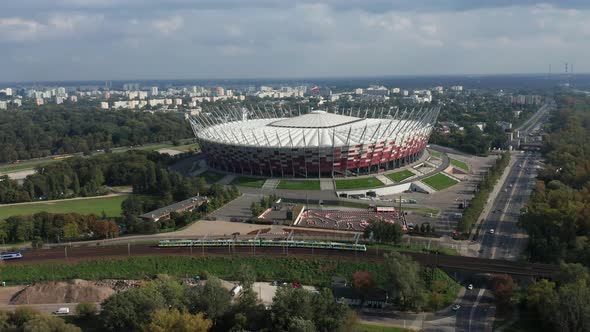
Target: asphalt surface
500, 237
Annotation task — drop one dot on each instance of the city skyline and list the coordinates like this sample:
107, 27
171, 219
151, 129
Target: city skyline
132, 40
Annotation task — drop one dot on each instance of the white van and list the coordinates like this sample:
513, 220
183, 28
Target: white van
62, 311
236, 290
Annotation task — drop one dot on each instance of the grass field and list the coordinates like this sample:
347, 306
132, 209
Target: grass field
248, 182
459, 164
435, 154
439, 181
400, 176
211, 176
110, 205
25, 165
299, 184
369, 182
363, 327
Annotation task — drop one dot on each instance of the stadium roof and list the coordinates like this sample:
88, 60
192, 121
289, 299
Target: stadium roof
315, 119
314, 129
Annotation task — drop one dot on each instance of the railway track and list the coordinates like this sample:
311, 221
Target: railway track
460, 263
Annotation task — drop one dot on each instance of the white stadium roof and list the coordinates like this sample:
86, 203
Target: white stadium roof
314, 129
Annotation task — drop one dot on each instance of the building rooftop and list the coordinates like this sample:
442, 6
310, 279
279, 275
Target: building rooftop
178, 206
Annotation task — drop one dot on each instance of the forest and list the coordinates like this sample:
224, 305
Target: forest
557, 217
55, 129
78, 176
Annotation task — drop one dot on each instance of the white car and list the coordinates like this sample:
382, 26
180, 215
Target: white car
456, 307
470, 286
491, 231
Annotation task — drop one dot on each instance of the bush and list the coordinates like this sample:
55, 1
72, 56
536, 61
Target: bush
86, 310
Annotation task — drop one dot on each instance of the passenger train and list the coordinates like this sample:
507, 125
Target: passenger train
263, 243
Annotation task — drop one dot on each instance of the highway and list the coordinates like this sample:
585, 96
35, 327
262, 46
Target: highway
500, 238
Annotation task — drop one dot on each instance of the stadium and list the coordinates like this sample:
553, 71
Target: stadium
283, 143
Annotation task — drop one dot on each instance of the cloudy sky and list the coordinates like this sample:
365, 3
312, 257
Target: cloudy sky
194, 39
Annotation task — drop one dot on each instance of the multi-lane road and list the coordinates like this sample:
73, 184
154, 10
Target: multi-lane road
500, 237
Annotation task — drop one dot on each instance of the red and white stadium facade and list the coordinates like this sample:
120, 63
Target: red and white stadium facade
278, 143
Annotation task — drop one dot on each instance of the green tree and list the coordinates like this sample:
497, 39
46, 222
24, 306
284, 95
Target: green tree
212, 299
130, 310
384, 232
297, 324
86, 310
164, 320
403, 281
45, 323
246, 275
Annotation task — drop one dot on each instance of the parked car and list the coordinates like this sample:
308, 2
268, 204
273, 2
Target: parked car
470, 286
62, 311
456, 307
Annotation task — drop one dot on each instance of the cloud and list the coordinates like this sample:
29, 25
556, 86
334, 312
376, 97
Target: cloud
169, 25
229, 38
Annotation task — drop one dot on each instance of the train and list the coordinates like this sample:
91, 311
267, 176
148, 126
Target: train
11, 255
263, 243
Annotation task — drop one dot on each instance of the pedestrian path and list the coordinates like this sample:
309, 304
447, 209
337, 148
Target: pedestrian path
227, 179
326, 184
386, 181
271, 184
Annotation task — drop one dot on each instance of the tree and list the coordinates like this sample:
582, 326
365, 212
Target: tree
163, 320
297, 324
246, 275
384, 231
130, 310
290, 302
86, 310
504, 290
211, 299
45, 323
403, 281
363, 281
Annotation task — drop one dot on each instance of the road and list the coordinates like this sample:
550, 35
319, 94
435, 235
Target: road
500, 237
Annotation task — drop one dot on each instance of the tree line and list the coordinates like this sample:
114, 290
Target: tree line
74, 177
557, 216
57, 129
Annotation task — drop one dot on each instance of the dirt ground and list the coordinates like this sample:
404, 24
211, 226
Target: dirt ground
217, 227
75, 291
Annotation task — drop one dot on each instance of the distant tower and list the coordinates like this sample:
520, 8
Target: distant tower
566, 67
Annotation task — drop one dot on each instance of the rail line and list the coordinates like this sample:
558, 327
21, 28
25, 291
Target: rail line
456, 263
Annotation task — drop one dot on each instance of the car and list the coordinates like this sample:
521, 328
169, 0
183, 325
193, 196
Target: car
505, 190
470, 286
62, 311
491, 231
456, 307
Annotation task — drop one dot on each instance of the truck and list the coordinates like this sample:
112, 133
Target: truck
62, 311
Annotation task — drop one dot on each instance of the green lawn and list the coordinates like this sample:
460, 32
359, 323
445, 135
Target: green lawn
439, 181
363, 327
24, 165
110, 205
211, 176
299, 184
400, 176
460, 164
435, 154
358, 183
248, 182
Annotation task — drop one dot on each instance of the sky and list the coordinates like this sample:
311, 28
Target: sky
42, 40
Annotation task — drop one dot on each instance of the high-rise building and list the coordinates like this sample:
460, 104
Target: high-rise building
3, 105
104, 105
154, 90
74, 99
59, 100
39, 101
